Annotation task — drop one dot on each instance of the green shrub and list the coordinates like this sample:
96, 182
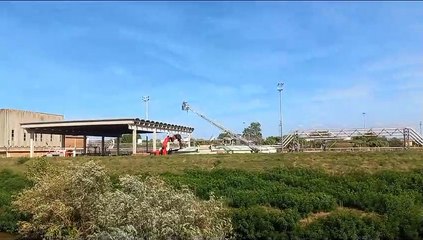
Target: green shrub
343, 225
79, 202
264, 223
396, 196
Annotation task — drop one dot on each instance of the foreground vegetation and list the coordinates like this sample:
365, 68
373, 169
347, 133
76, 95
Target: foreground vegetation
311, 204
80, 202
297, 196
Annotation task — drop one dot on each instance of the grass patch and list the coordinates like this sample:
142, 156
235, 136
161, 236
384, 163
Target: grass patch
23, 160
331, 162
10, 184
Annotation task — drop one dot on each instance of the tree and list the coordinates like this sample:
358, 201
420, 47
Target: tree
223, 135
127, 138
396, 142
272, 140
370, 141
253, 132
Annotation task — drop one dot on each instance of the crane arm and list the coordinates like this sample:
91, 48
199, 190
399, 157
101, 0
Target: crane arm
186, 107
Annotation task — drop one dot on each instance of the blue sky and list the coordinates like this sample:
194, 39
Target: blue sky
96, 60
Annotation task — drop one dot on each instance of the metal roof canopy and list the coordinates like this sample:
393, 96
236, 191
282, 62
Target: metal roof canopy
103, 127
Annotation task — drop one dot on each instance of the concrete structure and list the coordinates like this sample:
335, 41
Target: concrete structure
26, 133
15, 141
103, 128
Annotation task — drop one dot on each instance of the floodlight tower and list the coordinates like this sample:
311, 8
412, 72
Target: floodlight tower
279, 87
146, 99
364, 119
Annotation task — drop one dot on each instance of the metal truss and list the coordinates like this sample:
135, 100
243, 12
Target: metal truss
407, 134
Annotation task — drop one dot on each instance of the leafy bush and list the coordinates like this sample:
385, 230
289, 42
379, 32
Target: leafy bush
80, 202
264, 223
396, 196
344, 225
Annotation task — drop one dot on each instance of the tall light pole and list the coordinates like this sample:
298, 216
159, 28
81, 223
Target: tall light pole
146, 99
364, 119
279, 87
421, 127
243, 124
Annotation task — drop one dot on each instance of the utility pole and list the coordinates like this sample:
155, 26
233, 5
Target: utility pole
364, 120
280, 88
146, 99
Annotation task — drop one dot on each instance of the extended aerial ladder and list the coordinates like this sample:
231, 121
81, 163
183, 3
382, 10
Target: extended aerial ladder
255, 148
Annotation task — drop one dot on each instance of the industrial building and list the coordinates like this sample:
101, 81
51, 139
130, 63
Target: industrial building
25, 133
15, 141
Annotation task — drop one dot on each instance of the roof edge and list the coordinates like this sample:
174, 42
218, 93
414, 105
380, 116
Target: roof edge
20, 110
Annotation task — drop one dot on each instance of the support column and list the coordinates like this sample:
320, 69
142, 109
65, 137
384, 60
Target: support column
62, 144
154, 140
134, 140
117, 146
31, 145
63, 139
146, 143
85, 145
404, 141
102, 146
189, 140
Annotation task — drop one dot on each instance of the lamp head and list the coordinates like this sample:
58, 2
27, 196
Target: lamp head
279, 87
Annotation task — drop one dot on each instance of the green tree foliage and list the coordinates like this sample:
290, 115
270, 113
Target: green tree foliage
80, 202
253, 132
370, 141
127, 138
396, 142
272, 140
223, 135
